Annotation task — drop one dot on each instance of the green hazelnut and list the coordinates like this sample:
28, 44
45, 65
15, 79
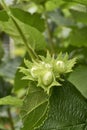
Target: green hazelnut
47, 78
60, 66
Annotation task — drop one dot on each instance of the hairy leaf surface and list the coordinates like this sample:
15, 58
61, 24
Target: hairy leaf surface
34, 109
68, 109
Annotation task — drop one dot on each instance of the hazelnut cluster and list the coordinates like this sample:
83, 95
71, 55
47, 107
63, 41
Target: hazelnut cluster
48, 70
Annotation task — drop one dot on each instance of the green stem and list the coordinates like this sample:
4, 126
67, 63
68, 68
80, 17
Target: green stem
31, 52
49, 34
10, 119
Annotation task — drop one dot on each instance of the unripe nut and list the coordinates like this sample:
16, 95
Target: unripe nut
47, 78
60, 66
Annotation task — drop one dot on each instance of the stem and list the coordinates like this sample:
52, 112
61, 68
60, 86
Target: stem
49, 34
6, 43
31, 52
10, 119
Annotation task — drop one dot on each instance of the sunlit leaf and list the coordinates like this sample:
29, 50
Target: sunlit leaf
9, 100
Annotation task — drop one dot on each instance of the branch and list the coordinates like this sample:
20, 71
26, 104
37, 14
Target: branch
49, 34
10, 119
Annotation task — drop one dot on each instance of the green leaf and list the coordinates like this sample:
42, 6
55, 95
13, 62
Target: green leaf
84, 2
33, 36
9, 100
34, 109
78, 37
79, 78
52, 4
68, 109
18, 82
33, 20
3, 16
79, 16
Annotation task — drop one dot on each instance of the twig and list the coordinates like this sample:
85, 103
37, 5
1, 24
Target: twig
49, 34
10, 119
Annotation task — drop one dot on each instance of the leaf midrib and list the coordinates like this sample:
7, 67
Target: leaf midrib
34, 108
40, 118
